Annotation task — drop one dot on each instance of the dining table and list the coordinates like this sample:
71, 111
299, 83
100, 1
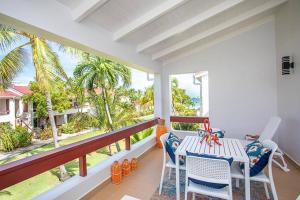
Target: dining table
228, 147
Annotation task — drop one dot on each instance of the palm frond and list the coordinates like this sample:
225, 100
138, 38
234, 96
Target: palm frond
8, 38
47, 65
11, 64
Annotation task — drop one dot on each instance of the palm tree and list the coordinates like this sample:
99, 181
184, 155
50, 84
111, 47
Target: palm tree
46, 63
99, 73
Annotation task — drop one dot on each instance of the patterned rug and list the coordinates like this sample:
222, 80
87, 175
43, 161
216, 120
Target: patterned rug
169, 192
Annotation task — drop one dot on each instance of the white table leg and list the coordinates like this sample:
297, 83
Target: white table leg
177, 178
247, 181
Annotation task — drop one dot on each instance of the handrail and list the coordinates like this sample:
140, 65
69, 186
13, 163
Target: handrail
25, 168
187, 119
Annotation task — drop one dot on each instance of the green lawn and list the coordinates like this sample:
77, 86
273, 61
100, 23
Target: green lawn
43, 182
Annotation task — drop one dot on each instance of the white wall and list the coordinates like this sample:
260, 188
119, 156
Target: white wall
242, 80
288, 43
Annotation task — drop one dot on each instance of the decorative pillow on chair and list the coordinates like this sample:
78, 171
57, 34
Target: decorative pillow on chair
258, 156
171, 145
208, 184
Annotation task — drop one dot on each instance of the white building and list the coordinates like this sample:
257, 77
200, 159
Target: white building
15, 111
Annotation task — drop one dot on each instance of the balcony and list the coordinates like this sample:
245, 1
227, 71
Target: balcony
248, 51
94, 183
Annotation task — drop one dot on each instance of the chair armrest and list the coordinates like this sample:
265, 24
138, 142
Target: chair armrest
251, 137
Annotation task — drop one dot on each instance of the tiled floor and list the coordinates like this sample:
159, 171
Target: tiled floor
143, 182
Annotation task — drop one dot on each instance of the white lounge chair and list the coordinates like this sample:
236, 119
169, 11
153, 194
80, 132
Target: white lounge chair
167, 163
261, 177
268, 133
211, 171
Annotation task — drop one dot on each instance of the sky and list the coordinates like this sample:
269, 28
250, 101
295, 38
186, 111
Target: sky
139, 78
186, 81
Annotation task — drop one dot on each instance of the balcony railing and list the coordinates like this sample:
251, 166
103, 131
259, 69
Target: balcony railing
17, 171
188, 119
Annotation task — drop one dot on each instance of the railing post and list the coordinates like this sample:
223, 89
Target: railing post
82, 166
127, 143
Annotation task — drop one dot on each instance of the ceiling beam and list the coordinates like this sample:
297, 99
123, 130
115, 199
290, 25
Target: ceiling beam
251, 13
86, 8
147, 18
188, 24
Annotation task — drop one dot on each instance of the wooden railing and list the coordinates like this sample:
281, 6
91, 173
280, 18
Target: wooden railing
25, 168
187, 119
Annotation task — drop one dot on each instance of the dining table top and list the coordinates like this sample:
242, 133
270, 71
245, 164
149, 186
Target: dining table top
229, 147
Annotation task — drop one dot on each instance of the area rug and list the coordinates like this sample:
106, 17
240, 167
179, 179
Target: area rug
169, 192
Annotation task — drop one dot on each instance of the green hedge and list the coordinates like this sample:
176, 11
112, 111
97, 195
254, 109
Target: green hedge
11, 139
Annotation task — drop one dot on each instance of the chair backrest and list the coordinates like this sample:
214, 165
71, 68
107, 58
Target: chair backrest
270, 129
208, 170
273, 146
163, 138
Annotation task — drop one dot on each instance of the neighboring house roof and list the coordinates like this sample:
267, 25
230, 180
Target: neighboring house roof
7, 93
15, 91
21, 88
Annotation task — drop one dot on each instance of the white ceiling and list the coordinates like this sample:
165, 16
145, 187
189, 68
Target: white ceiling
167, 29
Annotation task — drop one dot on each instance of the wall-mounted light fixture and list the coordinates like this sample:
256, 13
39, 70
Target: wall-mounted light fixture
287, 65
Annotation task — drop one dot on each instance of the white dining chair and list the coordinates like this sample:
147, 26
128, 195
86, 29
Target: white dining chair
261, 177
211, 171
268, 133
167, 162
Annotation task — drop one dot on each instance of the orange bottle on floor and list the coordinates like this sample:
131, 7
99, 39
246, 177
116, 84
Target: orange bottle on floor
125, 167
134, 164
116, 173
160, 130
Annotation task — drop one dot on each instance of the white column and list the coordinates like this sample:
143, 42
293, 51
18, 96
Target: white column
65, 118
166, 97
157, 96
21, 106
12, 113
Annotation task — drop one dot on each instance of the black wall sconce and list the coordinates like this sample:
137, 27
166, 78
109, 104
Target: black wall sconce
287, 65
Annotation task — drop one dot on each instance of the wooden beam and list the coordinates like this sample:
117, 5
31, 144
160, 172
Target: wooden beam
188, 24
247, 15
146, 18
82, 166
127, 143
86, 8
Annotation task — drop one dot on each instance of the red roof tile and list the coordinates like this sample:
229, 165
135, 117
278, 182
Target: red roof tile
21, 89
8, 94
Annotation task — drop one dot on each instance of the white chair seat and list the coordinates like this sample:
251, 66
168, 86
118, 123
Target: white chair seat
173, 165
237, 173
201, 189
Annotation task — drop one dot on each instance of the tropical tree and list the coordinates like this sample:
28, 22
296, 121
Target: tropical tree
47, 66
102, 75
59, 97
181, 102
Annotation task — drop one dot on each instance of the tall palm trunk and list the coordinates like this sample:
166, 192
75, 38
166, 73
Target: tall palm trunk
107, 111
62, 170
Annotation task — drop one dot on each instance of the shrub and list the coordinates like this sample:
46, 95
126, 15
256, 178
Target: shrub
68, 128
23, 137
11, 139
46, 133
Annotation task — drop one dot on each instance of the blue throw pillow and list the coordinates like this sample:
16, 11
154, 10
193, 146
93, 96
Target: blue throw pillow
171, 145
208, 184
258, 156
